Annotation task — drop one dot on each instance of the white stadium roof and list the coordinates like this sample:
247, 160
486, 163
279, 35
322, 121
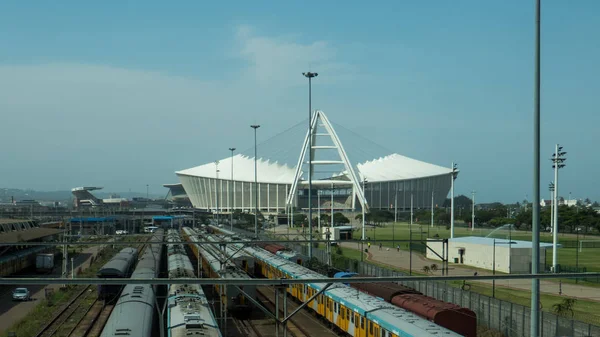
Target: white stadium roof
397, 167
243, 170
389, 168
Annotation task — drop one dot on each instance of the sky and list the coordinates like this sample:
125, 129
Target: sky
122, 94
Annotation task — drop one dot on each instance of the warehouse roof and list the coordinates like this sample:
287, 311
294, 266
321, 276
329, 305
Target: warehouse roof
28, 235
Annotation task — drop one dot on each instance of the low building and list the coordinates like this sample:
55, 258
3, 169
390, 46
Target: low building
508, 256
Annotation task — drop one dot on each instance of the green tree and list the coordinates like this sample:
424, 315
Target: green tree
339, 218
565, 307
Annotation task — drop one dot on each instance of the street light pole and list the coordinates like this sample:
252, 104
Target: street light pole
432, 208
452, 178
217, 190
147, 191
230, 191
473, 212
558, 159
256, 126
551, 187
363, 209
534, 324
310, 75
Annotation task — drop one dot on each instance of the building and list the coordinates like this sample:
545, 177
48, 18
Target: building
509, 256
177, 196
392, 182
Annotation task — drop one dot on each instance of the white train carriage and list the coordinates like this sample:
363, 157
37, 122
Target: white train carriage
188, 312
241, 259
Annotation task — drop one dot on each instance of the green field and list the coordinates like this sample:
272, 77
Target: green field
402, 231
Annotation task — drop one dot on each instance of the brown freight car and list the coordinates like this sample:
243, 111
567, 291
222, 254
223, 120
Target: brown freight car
384, 290
451, 316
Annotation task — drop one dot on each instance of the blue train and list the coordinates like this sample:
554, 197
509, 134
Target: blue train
351, 311
133, 314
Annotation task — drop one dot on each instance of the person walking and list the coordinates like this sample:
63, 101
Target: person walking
398, 248
380, 246
369, 245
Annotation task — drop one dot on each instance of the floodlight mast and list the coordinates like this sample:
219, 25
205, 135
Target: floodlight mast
255, 126
310, 75
230, 191
558, 159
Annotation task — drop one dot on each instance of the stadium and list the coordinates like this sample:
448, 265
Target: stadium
390, 182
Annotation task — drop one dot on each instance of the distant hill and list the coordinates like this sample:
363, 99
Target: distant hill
19, 194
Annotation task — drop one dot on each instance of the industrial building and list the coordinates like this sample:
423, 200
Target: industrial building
508, 256
390, 182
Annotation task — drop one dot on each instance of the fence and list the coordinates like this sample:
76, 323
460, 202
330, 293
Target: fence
512, 320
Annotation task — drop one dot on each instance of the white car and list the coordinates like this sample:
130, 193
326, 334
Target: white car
21, 294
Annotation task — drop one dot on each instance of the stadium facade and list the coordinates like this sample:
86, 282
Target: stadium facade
389, 182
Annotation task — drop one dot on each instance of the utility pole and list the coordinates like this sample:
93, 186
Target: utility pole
310, 75
331, 204
473, 212
217, 190
452, 178
534, 324
558, 159
256, 126
363, 209
231, 191
432, 192
551, 207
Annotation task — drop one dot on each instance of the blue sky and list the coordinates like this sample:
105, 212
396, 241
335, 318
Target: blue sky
122, 94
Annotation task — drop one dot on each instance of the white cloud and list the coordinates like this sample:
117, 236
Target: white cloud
120, 119
279, 61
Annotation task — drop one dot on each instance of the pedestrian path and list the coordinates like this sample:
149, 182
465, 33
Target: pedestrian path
402, 260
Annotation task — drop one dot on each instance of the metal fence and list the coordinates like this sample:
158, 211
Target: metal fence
512, 320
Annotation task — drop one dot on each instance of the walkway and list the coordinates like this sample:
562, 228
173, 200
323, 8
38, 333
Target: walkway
401, 260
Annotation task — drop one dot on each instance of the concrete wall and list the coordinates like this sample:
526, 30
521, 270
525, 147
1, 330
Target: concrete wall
508, 260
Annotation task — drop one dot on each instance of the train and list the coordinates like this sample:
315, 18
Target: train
215, 265
188, 312
449, 315
349, 310
133, 314
243, 260
120, 266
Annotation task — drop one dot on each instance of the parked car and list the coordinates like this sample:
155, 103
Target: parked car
21, 294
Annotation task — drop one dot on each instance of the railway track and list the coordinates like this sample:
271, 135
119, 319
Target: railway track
68, 314
302, 324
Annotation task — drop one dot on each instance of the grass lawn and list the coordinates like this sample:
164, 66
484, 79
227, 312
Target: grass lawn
402, 231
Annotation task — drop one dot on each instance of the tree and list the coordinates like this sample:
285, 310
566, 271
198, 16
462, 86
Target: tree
565, 307
300, 219
339, 218
426, 269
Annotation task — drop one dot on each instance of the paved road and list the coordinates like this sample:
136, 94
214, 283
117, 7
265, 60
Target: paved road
12, 312
402, 260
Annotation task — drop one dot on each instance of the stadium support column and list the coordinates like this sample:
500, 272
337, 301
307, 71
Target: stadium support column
255, 126
452, 178
534, 324
230, 192
310, 75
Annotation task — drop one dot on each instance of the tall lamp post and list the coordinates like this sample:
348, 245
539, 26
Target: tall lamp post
558, 159
452, 178
363, 209
255, 126
230, 191
310, 75
217, 190
551, 188
147, 191
473, 211
534, 324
